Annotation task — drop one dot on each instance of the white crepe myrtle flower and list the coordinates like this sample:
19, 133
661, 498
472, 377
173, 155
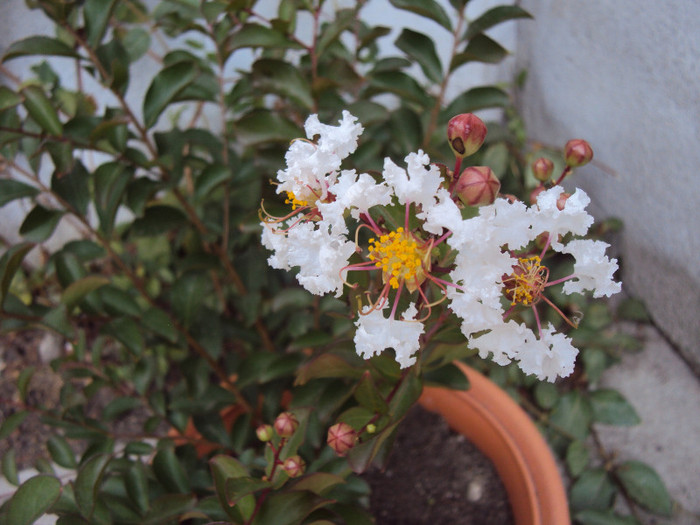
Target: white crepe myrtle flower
375, 333
319, 255
493, 262
416, 184
592, 269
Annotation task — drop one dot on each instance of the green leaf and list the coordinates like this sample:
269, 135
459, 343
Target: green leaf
361, 456
127, 332
42, 110
368, 396
136, 42
281, 78
118, 302
546, 395
288, 508
165, 508
224, 468
187, 296
73, 186
9, 467
421, 49
97, 13
477, 98
427, 8
261, 126
592, 490
644, 486
480, 49
494, 17
61, 452
344, 19
255, 35
115, 65
118, 407
326, 365
10, 262
39, 45
165, 87
158, 322
88, 482
169, 471
240, 487
447, 376
110, 181
40, 223
32, 499
11, 190
136, 484
573, 414
158, 220
318, 482
77, 290
211, 177
576, 458
11, 423
8, 98
606, 517
400, 84
406, 395
610, 407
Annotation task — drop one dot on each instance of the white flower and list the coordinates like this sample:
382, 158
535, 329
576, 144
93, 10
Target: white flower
549, 357
547, 217
340, 140
375, 333
418, 185
444, 214
503, 341
592, 269
312, 168
319, 255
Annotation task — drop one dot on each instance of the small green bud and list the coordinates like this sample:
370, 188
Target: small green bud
264, 433
577, 153
294, 466
542, 169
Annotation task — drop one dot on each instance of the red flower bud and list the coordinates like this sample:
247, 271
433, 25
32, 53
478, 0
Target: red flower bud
341, 438
264, 433
477, 186
577, 152
542, 169
466, 134
285, 424
294, 466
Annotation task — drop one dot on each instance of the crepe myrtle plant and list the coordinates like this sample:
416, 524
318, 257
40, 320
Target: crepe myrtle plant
249, 299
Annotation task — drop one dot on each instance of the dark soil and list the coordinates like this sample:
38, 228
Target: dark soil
435, 476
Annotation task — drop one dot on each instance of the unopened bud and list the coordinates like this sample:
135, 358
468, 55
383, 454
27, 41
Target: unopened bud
577, 152
294, 466
341, 438
285, 424
542, 169
477, 186
371, 428
264, 433
561, 201
466, 134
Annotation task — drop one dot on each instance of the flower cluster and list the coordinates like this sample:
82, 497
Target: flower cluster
412, 229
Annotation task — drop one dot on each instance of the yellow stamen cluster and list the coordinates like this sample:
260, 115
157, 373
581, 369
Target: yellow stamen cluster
400, 257
526, 284
296, 203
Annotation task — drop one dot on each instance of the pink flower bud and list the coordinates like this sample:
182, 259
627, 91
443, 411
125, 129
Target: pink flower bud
341, 438
561, 201
477, 186
542, 169
535, 193
466, 134
285, 424
577, 152
294, 466
264, 433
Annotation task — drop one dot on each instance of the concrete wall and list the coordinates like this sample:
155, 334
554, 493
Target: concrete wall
625, 75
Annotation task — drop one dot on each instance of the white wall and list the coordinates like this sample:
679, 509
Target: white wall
625, 75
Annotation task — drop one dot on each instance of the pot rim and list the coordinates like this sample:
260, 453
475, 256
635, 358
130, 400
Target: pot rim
504, 432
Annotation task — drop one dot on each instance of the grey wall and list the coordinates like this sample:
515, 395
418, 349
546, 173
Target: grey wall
625, 75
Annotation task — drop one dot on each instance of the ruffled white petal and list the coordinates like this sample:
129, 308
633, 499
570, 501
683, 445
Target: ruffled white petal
375, 333
593, 270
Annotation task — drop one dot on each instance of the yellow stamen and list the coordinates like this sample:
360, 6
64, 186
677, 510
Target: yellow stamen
401, 258
526, 284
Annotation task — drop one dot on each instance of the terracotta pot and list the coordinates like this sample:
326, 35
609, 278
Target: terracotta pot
495, 424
